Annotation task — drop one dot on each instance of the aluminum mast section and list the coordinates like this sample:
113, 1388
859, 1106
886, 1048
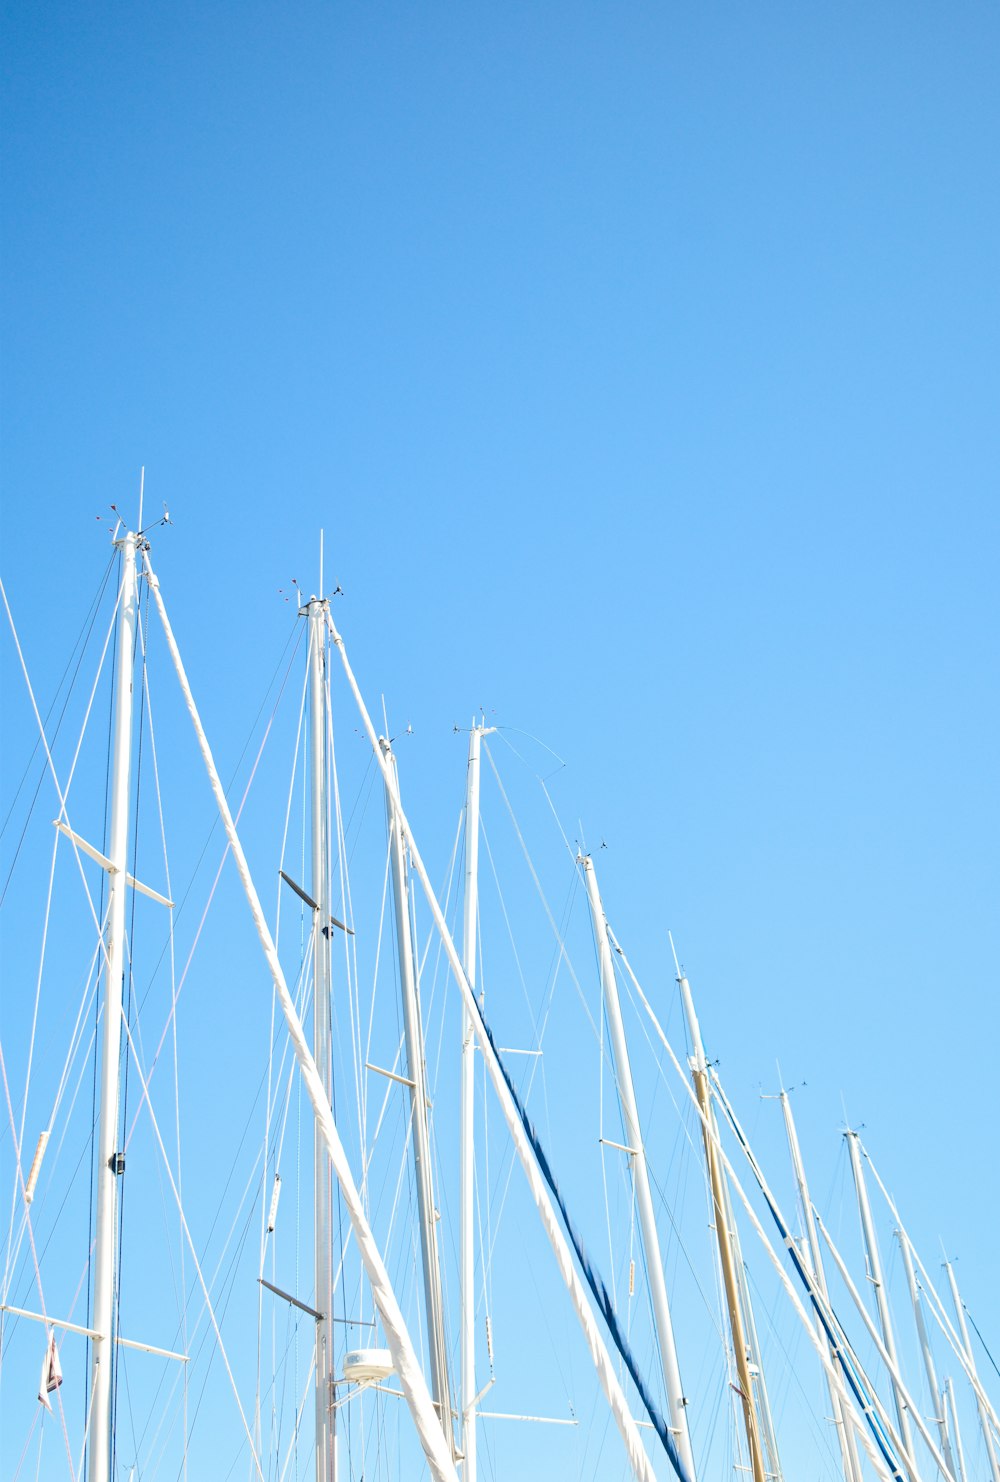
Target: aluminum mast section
925, 1348
676, 1402
326, 1440
948, 1396
727, 1258
110, 1159
467, 1166
878, 1282
984, 1419
418, 1108
838, 1400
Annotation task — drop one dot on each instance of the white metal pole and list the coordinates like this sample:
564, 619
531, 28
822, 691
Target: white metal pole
963, 1327
404, 1355
413, 1029
325, 1417
638, 1460
676, 1402
467, 1163
878, 1282
838, 1401
948, 1399
110, 1160
925, 1349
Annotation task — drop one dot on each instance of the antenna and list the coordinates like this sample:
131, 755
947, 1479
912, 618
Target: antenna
670, 938
320, 589
142, 490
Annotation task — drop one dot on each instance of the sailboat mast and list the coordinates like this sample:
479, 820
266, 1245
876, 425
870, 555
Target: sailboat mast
838, 1402
948, 1398
963, 1328
418, 1104
110, 1159
727, 1259
467, 1168
878, 1282
326, 1443
925, 1348
676, 1402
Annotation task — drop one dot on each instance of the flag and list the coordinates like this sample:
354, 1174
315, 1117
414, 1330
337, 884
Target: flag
52, 1375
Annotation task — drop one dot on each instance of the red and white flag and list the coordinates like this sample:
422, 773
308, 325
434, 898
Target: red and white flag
52, 1375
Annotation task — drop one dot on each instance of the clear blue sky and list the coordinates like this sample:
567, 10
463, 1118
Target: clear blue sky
640, 362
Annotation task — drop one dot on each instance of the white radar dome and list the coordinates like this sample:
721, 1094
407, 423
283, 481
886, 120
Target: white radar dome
368, 1364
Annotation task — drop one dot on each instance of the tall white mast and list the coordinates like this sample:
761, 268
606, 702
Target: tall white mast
728, 1257
676, 1403
326, 1441
467, 1167
878, 1282
918, 1316
984, 1419
110, 1160
418, 1104
838, 1401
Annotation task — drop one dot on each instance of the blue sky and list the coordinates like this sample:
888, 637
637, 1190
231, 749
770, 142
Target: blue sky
640, 364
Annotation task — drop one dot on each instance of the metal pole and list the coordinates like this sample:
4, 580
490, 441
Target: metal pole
699, 1074
676, 1402
323, 1253
878, 1282
467, 1167
925, 1348
948, 1398
963, 1326
418, 1115
838, 1401
110, 1160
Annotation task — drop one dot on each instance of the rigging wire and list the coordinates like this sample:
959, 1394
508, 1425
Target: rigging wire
174, 1042
980, 1337
34, 1252
92, 614
194, 1253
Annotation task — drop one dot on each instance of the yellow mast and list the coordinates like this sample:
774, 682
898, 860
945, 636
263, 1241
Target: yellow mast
699, 1075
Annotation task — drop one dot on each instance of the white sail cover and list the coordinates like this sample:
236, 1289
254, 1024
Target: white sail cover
52, 1375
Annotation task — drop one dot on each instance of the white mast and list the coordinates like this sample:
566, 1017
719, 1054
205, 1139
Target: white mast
418, 1105
984, 1419
948, 1397
878, 1282
110, 1160
467, 1167
727, 1255
838, 1401
925, 1348
326, 1441
676, 1402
